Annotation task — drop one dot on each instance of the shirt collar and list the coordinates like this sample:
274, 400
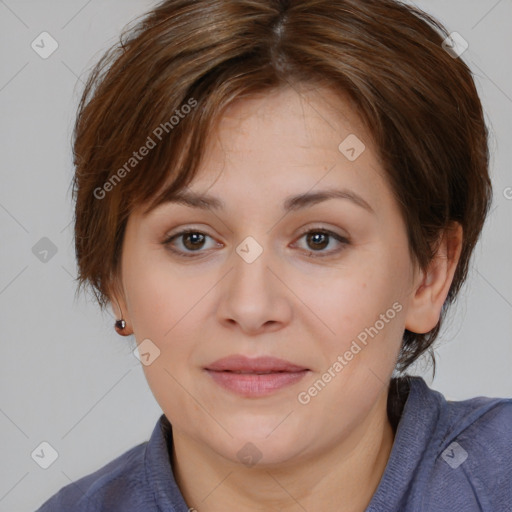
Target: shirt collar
159, 472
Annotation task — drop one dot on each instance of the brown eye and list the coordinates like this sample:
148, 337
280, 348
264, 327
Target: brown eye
317, 240
193, 240
188, 243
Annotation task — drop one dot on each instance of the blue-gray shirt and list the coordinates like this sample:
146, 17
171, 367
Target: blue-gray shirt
453, 456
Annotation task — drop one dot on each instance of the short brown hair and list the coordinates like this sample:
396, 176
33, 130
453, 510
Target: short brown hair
418, 102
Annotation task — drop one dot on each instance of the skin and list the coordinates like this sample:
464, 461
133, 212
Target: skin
330, 453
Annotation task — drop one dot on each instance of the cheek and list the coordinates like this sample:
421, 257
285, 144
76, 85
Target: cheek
362, 316
349, 300
157, 296
164, 307
150, 302
359, 358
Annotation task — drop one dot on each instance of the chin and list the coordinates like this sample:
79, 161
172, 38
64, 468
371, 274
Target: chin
264, 452
262, 442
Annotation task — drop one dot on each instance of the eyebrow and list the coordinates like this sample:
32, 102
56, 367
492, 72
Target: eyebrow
291, 203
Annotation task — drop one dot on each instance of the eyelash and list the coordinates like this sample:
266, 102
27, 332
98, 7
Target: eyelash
194, 254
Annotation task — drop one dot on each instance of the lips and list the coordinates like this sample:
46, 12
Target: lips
259, 365
256, 377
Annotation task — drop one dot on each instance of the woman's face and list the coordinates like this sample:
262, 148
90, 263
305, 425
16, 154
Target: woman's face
323, 283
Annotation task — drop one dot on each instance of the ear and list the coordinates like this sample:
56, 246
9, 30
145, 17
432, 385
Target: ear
119, 307
432, 286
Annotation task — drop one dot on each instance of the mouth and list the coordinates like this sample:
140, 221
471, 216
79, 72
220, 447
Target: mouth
258, 365
254, 373
255, 377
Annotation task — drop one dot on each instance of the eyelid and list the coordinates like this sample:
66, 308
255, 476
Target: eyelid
323, 229
184, 230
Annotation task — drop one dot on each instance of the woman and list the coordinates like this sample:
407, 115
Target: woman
280, 200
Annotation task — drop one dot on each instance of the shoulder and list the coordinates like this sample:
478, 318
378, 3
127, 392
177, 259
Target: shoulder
470, 453
480, 446
141, 479
483, 425
120, 482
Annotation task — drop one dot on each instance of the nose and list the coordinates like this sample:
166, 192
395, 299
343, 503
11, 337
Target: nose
252, 297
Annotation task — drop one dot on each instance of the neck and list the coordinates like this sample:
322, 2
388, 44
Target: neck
342, 478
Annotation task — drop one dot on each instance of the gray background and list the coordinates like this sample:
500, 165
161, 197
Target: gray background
66, 377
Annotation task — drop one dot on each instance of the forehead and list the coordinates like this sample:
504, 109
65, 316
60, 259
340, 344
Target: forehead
303, 116
291, 140
283, 144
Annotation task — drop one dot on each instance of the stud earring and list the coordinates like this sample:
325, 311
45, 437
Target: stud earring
120, 326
